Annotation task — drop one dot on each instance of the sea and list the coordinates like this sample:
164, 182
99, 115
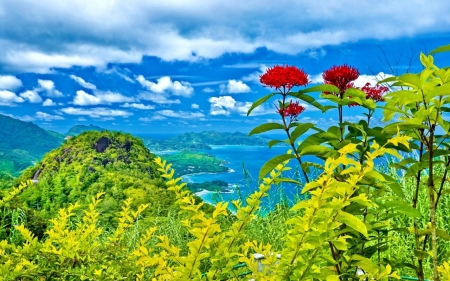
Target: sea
244, 163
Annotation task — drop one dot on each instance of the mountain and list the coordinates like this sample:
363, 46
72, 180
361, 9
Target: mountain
78, 129
115, 163
21, 143
203, 140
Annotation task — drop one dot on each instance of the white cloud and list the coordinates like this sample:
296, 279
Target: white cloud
122, 73
48, 117
235, 87
8, 98
195, 106
157, 98
225, 105
82, 119
138, 106
32, 96
107, 118
223, 101
9, 82
372, 79
208, 90
180, 114
153, 118
49, 102
83, 83
254, 77
193, 30
96, 112
315, 78
166, 85
25, 118
49, 87
82, 98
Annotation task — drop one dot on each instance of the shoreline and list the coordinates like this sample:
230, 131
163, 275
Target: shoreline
230, 170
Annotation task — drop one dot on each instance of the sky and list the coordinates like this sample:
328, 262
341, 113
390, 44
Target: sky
158, 67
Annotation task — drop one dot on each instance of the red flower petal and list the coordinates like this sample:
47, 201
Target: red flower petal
284, 76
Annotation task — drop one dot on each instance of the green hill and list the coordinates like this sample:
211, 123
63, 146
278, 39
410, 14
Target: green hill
78, 129
115, 163
21, 143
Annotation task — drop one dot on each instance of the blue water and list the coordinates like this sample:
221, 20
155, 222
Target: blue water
252, 158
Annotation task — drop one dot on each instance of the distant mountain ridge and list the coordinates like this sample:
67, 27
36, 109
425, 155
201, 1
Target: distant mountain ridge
21, 143
204, 140
78, 129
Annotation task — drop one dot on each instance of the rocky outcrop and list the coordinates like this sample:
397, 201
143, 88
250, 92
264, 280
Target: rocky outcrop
102, 144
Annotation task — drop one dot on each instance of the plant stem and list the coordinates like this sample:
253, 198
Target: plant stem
286, 129
431, 190
419, 270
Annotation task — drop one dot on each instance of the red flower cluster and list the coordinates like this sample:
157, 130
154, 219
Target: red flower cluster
284, 76
341, 76
374, 93
293, 110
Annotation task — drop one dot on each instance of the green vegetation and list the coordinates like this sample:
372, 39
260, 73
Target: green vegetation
354, 223
22, 143
203, 140
78, 129
187, 162
114, 163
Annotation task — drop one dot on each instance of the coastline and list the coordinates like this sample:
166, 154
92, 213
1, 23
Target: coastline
209, 173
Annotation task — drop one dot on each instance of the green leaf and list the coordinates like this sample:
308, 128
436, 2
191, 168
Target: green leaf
392, 128
288, 180
353, 222
274, 142
388, 79
440, 49
266, 127
411, 79
272, 163
259, 102
321, 88
394, 185
409, 211
318, 150
300, 130
353, 92
438, 91
306, 165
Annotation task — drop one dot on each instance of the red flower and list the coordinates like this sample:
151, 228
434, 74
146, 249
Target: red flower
293, 110
341, 76
285, 77
374, 93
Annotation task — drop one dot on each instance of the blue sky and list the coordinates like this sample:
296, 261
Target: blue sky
150, 67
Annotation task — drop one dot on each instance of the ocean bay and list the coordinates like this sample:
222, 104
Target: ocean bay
243, 183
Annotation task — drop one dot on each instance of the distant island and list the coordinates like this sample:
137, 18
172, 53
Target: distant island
187, 162
203, 141
78, 129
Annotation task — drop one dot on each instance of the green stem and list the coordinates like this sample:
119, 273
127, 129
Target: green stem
286, 129
431, 191
419, 270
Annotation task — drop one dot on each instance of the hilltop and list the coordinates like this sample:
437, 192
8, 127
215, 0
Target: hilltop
115, 163
78, 129
204, 140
